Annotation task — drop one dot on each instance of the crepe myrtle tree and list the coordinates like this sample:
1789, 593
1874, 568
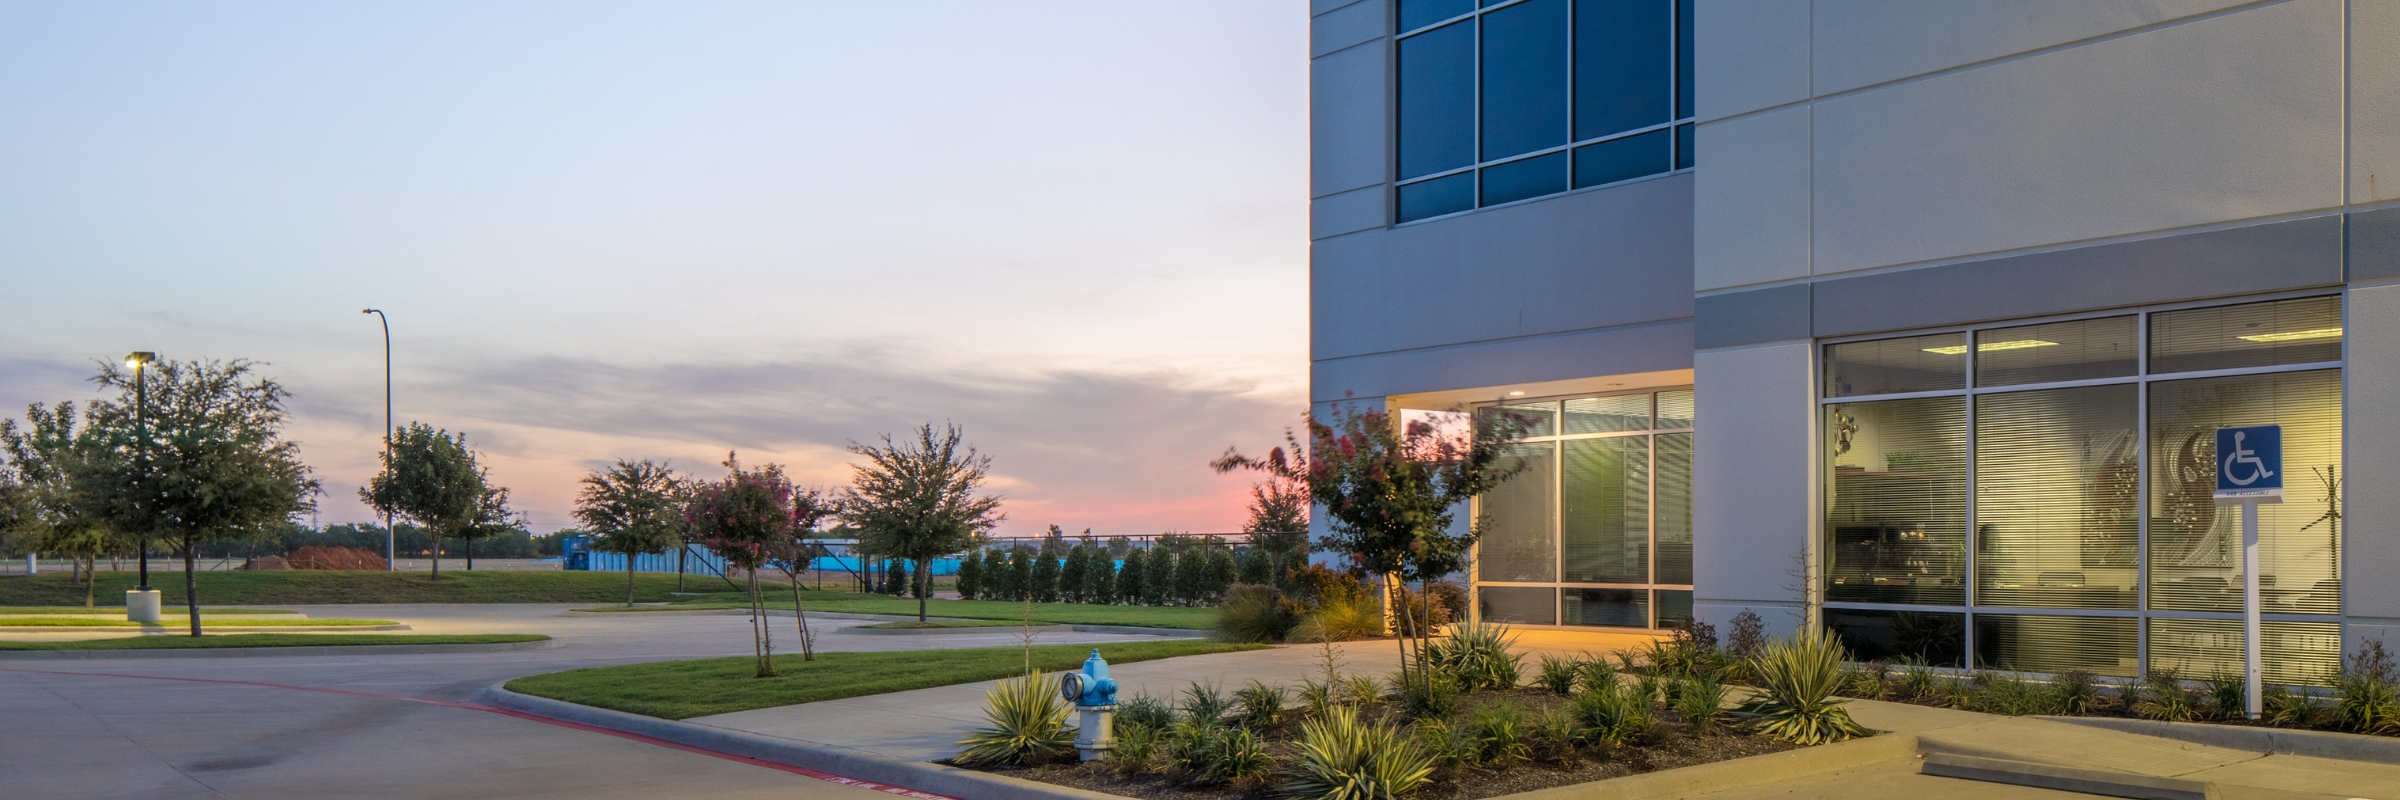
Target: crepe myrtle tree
917, 499
431, 478
46, 500
742, 517
630, 508
1392, 491
205, 462
796, 548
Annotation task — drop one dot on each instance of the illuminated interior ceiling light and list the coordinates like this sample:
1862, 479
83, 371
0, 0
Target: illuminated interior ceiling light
1516, 394
1986, 347
2293, 336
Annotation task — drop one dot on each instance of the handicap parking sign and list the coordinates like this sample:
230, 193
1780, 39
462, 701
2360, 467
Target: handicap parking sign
2250, 464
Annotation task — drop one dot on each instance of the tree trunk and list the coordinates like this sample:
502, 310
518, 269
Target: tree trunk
924, 586
808, 645
680, 554
471, 556
91, 580
191, 585
629, 580
437, 555
758, 630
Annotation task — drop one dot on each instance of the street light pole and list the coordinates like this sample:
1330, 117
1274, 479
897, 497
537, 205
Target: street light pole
390, 539
141, 603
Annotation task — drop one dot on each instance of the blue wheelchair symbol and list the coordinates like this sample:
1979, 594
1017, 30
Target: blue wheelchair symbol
2250, 461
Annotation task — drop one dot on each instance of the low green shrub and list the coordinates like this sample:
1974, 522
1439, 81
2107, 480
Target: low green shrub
1204, 704
1551, 735
1501, 733
2227, 696
1137, 748
1591, 673
1317, 698
1214, 755
1557, 675
1255, 614
1341, 758
2161, 696
1917, 681
2284, 708
1449, 604
1796, 681
2005, 694
1612, 715
1028, 723
1258, 704
1700, 703
1145, 711
2366, 693
1447, 744
2074, 692
1865, 681
1433, 696
1359, 690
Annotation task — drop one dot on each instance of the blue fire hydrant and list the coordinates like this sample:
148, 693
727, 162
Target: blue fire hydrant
1094, 694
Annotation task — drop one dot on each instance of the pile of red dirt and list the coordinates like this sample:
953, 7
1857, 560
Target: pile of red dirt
315, 557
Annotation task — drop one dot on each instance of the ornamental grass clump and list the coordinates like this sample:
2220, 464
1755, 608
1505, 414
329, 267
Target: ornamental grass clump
1359, 690
1700, 703
1557, 675
1258, 704
1028, 723
1213, 754
2005, 694
1204, 704
1595, 673
1611, 715
1145, 711
2366, 693
1339, 619
2284, 708
1796, 681
1137, 748
2228, 696
1917, 681
1342, 758
1478, 656
2162, 697
2074, 692
1501, 733
1255, 614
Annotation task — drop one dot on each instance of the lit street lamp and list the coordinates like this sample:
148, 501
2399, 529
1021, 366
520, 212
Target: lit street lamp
390, 540
141, 603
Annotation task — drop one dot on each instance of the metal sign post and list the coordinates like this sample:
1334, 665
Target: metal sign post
2250, 472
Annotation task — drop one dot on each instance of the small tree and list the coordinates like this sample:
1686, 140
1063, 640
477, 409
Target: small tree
796, 549
1219, 574
970, 575
45, 472
1071, 575
1255, 566
631, 508
918, 500
206, 461
432, 479
740, 517
1046, 573
1100, 577
1020, 573
1393, 491
1191, 577
1158, 576
995, 574
1133, 577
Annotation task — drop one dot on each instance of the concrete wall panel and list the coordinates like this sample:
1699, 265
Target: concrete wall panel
1866, 42
1749, 55
2371, 452
1598, 259
1346, 120
1346, 26
2374, 101
1750, 480
1750, 204
2227, 118
1652, 347
1348, 212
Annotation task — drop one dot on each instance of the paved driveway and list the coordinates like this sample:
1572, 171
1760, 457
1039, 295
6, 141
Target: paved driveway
379, 726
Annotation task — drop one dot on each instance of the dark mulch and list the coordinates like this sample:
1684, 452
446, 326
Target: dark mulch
1674, 746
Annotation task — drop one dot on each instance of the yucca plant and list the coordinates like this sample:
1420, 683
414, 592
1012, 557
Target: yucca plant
1478, 656
1796, 681
1204, 703
1700, 703
1028, 722
1612, 716
1259, 704
1341, 758
1557, 675
2074, 692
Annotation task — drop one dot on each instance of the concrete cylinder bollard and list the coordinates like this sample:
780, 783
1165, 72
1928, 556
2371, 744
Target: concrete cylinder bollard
141, 605
32, 566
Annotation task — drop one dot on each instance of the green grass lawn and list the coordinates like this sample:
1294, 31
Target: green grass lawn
179, 620
686, 689
273, 640
1001, 610
308, 587
942, 623
52, 611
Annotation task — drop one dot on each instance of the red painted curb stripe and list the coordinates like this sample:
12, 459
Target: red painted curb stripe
827, 777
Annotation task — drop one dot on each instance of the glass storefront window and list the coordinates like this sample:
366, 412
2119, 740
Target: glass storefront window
1601, 517
1517, 605
2067, 477
1896, 527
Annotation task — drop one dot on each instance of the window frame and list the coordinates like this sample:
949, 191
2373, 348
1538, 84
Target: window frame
2142, 378
1675, 120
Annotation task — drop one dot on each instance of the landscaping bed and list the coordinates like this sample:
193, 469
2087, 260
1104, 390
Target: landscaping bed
1004, 611
331, 587
698, 688
274, 640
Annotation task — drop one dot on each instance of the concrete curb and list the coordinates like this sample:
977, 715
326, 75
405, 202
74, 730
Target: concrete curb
1131, 630
2065, 779
303, 650
843, 761
2321, 744
179, 629
939, 631
1126, 630
1740, 773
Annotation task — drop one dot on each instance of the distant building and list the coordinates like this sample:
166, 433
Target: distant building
1907, 320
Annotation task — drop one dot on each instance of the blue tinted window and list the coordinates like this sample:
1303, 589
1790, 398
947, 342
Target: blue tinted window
1437, 100
1621, 159
1525, 78
1416, 14
1436, 197
1622, 60
1532, 177
1683, 59
1683, 146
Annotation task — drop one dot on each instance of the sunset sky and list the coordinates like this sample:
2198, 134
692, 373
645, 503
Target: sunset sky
671, 230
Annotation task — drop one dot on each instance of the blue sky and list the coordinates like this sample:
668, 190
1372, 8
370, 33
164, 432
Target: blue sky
668, 230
